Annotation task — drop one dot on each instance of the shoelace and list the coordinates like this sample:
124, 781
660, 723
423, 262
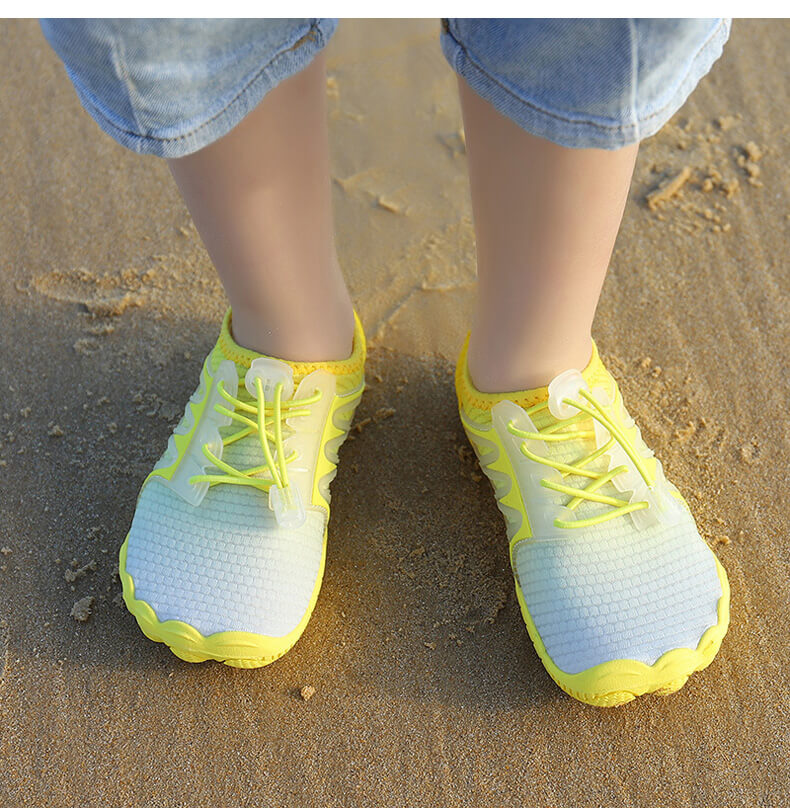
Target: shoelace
266, 416
592, 409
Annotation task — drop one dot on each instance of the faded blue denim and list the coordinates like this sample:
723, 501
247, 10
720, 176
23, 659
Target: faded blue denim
171, 87
585, 83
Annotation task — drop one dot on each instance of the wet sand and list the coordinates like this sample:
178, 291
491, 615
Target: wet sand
426, 690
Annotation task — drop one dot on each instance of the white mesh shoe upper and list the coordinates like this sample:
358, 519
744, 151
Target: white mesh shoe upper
612, 592
225, 564
631, 587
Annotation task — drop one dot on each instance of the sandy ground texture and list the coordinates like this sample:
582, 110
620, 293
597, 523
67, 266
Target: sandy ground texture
424, 688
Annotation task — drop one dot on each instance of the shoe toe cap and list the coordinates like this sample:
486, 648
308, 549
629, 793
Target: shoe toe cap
619, 594
224, 565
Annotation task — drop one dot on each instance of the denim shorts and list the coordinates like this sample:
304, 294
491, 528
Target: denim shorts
171, 87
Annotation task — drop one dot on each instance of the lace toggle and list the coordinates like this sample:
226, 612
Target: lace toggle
270, 372
566, 385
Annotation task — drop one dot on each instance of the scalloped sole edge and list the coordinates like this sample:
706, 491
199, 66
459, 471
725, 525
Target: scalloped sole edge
238, 649
620, 681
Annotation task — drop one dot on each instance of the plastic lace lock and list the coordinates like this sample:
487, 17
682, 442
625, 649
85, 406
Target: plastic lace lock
566, 385
287, 506
663, 507
270, 372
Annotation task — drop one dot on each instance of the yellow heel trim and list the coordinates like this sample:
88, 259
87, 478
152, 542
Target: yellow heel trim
239, 649
619, 681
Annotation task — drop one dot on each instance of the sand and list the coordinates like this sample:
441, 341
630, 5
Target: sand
424, 688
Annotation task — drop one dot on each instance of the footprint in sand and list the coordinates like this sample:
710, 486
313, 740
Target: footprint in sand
100, 295
109, 294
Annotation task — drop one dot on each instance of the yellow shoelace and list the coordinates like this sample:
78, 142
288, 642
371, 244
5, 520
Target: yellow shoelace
266, 416
551, 433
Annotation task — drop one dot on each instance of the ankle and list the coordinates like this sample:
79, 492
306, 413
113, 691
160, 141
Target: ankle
502, 366
318, 336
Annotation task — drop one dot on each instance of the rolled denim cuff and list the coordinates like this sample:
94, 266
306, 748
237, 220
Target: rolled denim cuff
171, 87
601, 84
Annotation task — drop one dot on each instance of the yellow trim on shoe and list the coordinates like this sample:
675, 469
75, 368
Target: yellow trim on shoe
238, 649
619, 681
243, 649
614, 682
338, 423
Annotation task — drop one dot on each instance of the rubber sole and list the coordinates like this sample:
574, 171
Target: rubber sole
620, 681
238, 649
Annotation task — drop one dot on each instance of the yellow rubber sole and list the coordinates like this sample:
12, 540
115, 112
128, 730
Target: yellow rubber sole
238, 649
619, 681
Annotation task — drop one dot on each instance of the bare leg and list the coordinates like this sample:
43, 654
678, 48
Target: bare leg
546, 218
261, 200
